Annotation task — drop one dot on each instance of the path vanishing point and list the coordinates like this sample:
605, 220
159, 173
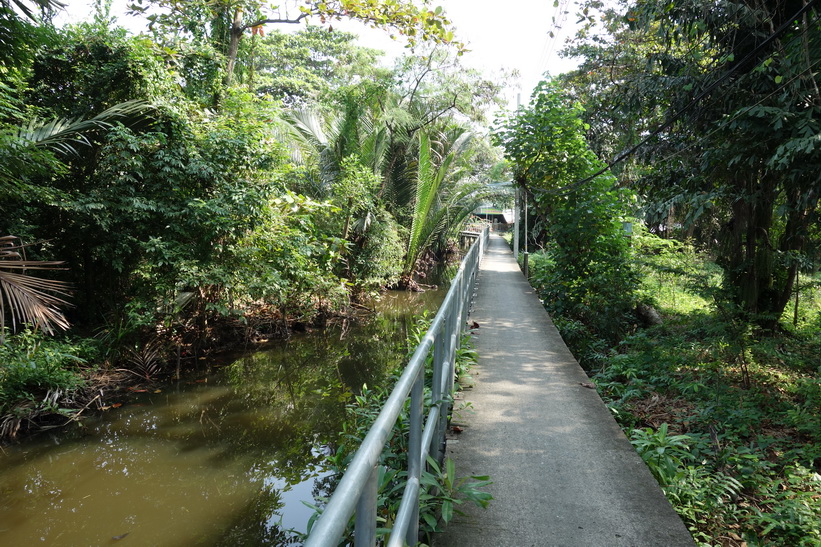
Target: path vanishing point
563, 472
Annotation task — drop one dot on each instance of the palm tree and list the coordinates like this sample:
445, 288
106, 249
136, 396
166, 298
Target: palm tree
443, 197
331, 139
27, 298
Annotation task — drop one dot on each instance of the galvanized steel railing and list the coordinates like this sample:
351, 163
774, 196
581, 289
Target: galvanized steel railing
357, 490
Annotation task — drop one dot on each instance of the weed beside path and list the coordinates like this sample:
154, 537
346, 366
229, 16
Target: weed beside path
728, 418
737, 454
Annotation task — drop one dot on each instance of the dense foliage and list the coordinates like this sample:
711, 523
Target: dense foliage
727, 420
721, 101
209, 184
215, 180
583, 274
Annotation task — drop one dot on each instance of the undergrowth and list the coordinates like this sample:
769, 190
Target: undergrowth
727, 417
442, 491
39, 376
739, 460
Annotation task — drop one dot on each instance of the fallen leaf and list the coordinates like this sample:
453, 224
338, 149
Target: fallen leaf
456, 429
204, 380
121, 536
140, 390
157, 391
587, 385
116, 405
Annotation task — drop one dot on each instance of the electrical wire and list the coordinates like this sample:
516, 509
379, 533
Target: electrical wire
740, 113
550, 41
562, 9
672, 119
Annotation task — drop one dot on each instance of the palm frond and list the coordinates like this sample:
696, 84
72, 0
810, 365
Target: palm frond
428, 212
63, 135
308, 126
29, 299
374, 148
28, 12
308, 138
442, 200
330, 139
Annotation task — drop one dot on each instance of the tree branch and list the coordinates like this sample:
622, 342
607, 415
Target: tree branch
269, 21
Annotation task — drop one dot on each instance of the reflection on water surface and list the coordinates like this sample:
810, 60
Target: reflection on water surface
225, 457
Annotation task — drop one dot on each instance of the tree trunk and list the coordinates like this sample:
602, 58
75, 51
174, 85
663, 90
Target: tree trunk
233, 46
755, 269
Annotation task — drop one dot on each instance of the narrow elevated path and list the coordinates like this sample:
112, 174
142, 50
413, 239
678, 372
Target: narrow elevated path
563, 472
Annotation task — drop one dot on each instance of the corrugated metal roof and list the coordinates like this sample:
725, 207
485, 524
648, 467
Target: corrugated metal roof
487, 210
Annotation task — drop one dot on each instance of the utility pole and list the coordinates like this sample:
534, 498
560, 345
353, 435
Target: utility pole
526, 266
516, 201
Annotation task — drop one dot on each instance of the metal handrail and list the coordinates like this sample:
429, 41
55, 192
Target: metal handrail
357, 490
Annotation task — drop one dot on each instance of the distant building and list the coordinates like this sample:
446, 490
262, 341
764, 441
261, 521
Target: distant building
494, 214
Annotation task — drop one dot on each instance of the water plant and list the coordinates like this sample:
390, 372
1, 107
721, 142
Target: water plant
443, 490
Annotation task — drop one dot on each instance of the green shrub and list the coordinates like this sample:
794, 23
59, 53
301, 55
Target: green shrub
441, 490
32, 365
744, 407
37, 374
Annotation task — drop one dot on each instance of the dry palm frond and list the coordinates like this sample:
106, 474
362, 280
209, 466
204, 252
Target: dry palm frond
146, 361
10, 425
35, 413
29, 299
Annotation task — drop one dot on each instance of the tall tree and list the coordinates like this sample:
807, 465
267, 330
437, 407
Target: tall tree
306, 67
582, 212
226, 21
725, 102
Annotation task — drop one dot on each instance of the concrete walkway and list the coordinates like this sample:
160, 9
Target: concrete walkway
563, 472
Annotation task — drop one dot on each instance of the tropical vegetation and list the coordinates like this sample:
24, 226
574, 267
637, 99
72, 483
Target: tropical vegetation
215, 179
673, 199
208, 183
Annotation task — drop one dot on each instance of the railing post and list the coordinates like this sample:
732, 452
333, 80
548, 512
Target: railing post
455, 334
438, 395
466, 294
365, 531
415, 450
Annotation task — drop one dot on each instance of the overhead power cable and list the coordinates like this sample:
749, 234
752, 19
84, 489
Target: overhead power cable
552, 36
778, 32
741, 112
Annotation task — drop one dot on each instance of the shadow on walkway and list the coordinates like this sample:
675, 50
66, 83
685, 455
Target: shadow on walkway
563, 472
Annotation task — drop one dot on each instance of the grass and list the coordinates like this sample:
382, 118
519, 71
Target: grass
727, 419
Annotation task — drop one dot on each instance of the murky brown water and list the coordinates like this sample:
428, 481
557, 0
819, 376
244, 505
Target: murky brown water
225, 457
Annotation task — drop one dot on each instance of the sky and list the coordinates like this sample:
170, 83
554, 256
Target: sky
513, 37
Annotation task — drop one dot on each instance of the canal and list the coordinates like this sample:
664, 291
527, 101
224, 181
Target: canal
229, 455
